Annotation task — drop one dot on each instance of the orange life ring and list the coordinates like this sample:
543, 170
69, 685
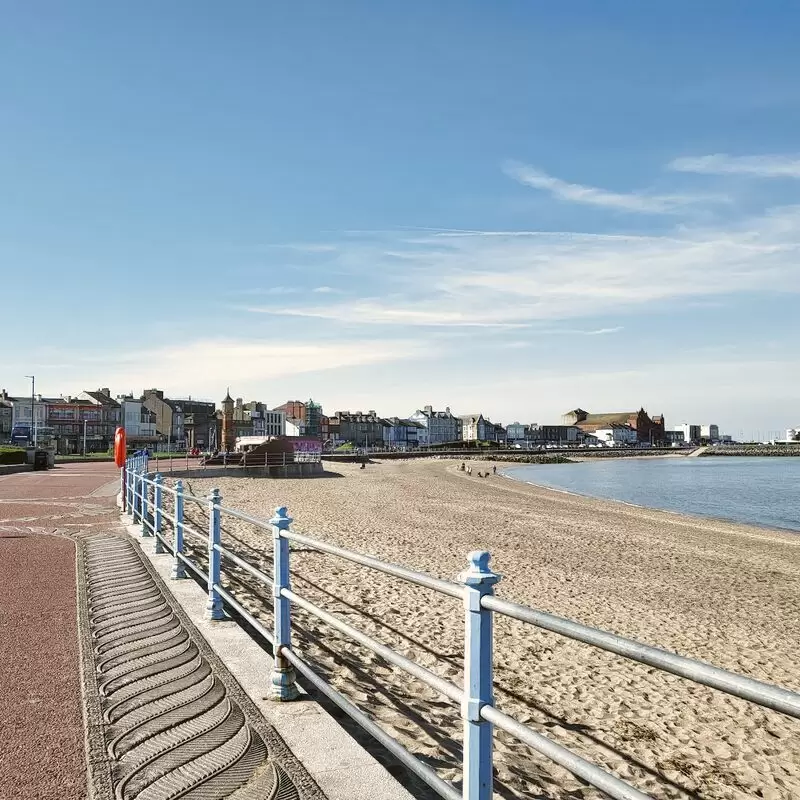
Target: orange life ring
120, 451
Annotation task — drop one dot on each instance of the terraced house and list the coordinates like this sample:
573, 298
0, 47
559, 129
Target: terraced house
363, 430
476, 428
440, 426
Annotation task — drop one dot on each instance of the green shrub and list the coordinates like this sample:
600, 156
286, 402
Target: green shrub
13, 455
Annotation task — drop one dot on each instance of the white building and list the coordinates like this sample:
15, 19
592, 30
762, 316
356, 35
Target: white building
267, 423
617, 435
441, 426
139, 422
21, 414
294, 427
691, 433
476, 428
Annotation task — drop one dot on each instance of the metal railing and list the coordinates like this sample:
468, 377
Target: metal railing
143, 495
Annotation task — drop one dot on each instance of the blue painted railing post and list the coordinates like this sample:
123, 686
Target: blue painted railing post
178, 569
136, 495
283, 686
214, 604
128, 478
157, 499
145, 504
479, 582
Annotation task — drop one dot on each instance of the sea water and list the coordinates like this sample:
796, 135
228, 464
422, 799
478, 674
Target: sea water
757, 491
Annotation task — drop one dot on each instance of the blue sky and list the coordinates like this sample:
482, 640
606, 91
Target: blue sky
515, 207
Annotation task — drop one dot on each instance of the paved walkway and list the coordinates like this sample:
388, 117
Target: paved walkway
164, 717
42, 753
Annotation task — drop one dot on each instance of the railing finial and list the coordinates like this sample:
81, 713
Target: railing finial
281, 519
478, 571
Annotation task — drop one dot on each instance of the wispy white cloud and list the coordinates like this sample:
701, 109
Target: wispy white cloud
307, 247
764, 166
469, 280
604, 331
372, 311
270, 290
326, 290
245, 363
639, 202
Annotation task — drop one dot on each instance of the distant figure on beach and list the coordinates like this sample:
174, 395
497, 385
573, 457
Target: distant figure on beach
480, 474
494, 470
363, 465
469, 470
463, 467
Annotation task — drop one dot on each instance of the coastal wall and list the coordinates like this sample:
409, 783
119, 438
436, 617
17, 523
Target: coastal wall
524, 456
777, 450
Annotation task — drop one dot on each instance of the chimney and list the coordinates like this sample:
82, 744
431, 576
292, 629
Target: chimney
447, 409
429, 409
238, 402
106, 391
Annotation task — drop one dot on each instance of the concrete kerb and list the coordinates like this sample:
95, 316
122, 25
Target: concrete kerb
342, 768
13, 469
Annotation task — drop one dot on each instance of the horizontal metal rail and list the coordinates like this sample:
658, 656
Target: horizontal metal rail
254, 571
420, 578
411, 667
197, 571
151, 482
774, 697
232, 601
190, 529
260, 523
584, 769
419, 768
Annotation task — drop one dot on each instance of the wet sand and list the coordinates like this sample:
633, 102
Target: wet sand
721, 592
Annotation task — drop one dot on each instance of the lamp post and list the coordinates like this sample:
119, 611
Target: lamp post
32, 435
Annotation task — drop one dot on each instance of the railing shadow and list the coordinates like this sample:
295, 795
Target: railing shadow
317, 643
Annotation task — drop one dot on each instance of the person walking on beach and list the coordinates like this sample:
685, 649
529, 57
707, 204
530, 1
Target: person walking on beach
469, 471
494, 469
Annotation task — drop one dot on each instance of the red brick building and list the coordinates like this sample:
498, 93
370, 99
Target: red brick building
294, 409
648, 429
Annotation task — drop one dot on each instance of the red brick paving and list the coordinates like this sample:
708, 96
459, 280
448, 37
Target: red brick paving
42, 754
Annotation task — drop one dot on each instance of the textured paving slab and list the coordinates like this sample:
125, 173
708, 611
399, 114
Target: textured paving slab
165, 718
41, 722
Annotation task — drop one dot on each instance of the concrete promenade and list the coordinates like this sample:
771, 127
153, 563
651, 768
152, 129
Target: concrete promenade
107, 662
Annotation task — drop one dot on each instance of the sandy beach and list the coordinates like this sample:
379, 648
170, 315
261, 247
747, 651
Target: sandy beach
725, 593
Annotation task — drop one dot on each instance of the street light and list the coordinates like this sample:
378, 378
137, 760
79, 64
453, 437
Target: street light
32, 429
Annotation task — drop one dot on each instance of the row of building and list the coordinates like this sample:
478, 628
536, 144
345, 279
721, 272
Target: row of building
88, 421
